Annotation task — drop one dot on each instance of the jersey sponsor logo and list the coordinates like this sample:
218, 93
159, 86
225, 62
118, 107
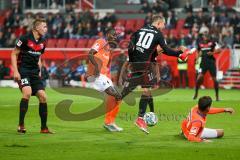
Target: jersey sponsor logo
194, 131
34, 46
34, 52
19, 43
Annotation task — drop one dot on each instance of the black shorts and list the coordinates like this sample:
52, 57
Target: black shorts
145, 80
211, 67
33, 81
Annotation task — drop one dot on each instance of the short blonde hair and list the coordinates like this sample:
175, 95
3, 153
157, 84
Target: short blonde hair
157, 18
38, 21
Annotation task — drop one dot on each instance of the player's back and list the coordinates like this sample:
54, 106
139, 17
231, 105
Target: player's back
143, 44
102, 57
194, 117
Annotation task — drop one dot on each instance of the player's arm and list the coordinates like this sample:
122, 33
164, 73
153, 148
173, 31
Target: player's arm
221, 110
194, 133
14, 57
123, 72
166, 50
216, 49
91, 54
40, 66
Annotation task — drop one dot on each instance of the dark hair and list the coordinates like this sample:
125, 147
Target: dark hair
109, 31
36, 22
204, 102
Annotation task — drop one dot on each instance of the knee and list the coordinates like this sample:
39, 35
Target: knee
42, 98
27, 95
220, 133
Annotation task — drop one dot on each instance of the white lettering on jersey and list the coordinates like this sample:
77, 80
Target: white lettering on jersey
96, 47
194, 131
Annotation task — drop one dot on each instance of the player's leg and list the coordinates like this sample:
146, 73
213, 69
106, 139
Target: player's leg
26, 94
213, 72
208, 133
24, 86
104, 84
199, 81
38, 90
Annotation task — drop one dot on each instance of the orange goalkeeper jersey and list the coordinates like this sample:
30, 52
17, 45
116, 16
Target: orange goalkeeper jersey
102, 57
194, 124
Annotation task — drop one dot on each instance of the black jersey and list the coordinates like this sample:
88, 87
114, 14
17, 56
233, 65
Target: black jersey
144, 42
206, 46
30, 52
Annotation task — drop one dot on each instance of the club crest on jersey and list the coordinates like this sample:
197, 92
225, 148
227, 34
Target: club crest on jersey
19, 43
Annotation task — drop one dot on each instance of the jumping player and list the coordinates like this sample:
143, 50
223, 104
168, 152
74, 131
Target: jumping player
97, 73
193, 127
141, 51
26, 66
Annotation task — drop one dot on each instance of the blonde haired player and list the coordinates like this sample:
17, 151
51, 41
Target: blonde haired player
97, 73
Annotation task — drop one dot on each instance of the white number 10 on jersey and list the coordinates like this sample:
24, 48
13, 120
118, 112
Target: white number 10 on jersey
145, 40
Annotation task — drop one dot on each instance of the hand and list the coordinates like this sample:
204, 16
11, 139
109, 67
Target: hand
229, 110
210, 53
207, 141
16, 76
97, 73
120, 81
183, 48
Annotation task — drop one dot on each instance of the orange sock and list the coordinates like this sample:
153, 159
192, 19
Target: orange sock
112, 109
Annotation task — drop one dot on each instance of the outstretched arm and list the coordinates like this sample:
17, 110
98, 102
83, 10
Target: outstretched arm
221, 110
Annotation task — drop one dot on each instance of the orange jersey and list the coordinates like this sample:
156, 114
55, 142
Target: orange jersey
102, 57
193, 126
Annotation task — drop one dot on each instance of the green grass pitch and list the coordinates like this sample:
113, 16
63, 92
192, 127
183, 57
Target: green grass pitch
89, 140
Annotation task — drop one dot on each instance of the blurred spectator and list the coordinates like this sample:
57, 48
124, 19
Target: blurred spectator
79, 73
16, 9
20, 31
148, 18
172, 41
189, 21
78, 31
28, 20
2, 39
234, 20
10, 42
188, 7
100, 27
89, 32
145, 8
17, 21
228, 39
195, 28
68, 31
226, 28
213, 19
220, 7
203, 28
223, 18
184, 40
171, 20
156, 8
236, 39
110, 17
165, 72
120, 30
66, 72
52, 69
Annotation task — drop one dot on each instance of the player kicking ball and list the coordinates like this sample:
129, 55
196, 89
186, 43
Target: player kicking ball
98, 75
141, 52
193, 128
26, 66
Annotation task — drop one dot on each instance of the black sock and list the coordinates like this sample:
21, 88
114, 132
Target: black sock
150, 103
43, 114
216, 88
143, 105
23, 110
